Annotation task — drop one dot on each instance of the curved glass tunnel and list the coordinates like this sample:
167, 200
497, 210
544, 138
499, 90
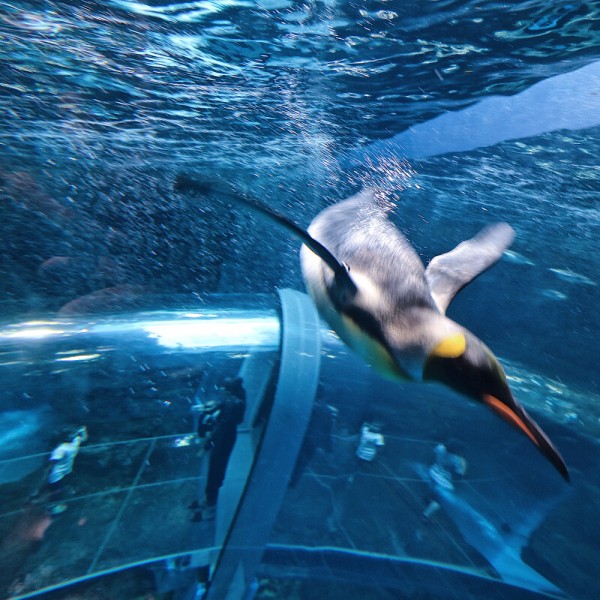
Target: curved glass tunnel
306, 497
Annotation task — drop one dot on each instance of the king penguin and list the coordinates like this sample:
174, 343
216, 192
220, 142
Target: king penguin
371, 287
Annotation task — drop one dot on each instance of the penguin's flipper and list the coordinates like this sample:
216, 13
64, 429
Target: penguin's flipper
184, 183
449, 273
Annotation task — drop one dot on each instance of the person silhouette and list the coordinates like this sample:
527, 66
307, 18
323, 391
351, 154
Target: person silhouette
225, 415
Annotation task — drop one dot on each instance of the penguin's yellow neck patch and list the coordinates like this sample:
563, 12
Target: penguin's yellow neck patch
452, 346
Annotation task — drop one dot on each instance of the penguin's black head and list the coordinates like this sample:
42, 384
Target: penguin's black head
464, 363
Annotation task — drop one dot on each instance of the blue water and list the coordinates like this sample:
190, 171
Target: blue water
463, 111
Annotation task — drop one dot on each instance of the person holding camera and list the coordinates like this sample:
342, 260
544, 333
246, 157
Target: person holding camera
218, 427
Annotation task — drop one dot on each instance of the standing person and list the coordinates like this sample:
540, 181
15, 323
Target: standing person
370, 441
62, 459
447, 465
227, 414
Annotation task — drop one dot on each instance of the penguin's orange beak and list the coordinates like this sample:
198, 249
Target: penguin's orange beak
508, 415
512, 412
467, 365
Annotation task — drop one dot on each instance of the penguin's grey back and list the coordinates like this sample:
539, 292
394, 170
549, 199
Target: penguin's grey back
359, 234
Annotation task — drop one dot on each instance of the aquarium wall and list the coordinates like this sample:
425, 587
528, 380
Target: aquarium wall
130, 306
142, 386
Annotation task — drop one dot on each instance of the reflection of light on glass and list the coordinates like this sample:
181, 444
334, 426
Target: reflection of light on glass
38, 332
213, 333
15, 362
79, 357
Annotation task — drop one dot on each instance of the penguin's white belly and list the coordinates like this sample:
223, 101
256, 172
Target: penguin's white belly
369, 348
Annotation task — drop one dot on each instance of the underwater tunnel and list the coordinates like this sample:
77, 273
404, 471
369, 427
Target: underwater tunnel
328, 479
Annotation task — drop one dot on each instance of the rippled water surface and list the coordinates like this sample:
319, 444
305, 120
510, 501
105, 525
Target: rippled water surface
217, 76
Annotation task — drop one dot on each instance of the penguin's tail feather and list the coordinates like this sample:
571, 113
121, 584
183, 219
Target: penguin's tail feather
185, 183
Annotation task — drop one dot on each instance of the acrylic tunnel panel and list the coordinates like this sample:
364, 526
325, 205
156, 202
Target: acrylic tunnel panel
372, 488
145, 387
374, 505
